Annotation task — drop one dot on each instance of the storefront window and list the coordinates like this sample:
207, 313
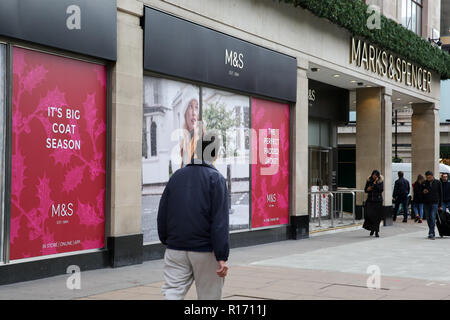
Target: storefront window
412, 15
169, 118
171, 110
224, 112
319, 133
270, 163
58, 168
313, 132
2, 139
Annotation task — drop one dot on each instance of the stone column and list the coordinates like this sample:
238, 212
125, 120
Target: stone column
125, 240
424, 139
299, 154
374, 143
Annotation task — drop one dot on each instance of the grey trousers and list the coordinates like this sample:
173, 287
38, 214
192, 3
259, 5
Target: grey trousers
181, 268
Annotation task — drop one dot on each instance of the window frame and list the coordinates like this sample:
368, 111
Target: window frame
407, 15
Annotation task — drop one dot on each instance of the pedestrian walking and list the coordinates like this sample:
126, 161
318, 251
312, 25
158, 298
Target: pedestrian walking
193, 222
373, 209
418, 198
400, 196
445, 192
432, 201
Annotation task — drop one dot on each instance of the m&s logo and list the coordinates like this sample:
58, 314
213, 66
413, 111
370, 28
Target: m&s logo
272, 197
234, 59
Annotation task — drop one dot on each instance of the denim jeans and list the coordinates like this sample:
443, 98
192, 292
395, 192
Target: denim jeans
404, 203
445, 205
430, 210
418, 209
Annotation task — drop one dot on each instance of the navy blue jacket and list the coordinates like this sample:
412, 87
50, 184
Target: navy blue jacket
401, 189
445, 191
193, 211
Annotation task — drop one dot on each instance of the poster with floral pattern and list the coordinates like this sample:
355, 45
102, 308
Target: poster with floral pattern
58, 155
270, 163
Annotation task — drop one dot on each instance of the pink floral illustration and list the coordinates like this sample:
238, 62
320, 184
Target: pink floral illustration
51, 175
73, 178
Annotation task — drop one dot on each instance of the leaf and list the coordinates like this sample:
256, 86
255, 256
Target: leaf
33, 78
73, 178
17, 173
90, 113
43, 193
88, 215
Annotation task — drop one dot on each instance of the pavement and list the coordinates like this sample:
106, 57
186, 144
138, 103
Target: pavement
330, 265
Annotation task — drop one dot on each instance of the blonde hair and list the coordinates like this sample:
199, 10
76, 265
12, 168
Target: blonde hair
189, 142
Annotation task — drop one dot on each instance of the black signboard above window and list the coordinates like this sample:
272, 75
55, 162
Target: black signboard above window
82, 26
328, 102
176, 47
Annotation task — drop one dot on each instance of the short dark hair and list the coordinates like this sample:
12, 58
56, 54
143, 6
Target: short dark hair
429, 173
400, 174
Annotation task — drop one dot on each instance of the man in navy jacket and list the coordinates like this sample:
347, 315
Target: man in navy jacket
193, 222
400, 196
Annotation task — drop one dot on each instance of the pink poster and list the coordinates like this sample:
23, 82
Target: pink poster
58, 155
270, 163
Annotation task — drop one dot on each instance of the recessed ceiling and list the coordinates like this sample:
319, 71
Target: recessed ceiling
341, 80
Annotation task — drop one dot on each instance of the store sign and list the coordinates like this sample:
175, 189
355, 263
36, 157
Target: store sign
270, 171
176, 47
387, 65
58, 155
83, 26
328, 102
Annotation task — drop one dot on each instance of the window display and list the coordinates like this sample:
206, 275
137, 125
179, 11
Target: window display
228, 114
58, 155
171, 112
270, 163
174, 114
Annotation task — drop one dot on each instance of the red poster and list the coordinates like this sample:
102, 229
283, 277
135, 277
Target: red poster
270, 163
58, 155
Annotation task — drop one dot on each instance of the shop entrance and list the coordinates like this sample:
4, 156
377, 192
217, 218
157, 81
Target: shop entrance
320, 167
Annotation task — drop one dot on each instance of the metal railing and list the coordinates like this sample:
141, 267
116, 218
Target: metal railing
336, 200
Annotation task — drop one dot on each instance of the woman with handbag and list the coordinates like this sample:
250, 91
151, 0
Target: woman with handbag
374, 203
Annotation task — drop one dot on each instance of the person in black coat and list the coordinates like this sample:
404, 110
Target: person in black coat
432, 201
373, 210
400, 196
445, 192
418, 198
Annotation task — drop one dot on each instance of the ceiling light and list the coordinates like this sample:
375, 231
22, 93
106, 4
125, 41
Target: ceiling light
336, 75
398, 99
353, 81
410, 102
368, 86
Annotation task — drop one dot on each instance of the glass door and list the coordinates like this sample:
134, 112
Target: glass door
319, 167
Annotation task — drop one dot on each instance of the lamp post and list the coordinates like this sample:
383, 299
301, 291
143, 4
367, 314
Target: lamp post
395, 137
